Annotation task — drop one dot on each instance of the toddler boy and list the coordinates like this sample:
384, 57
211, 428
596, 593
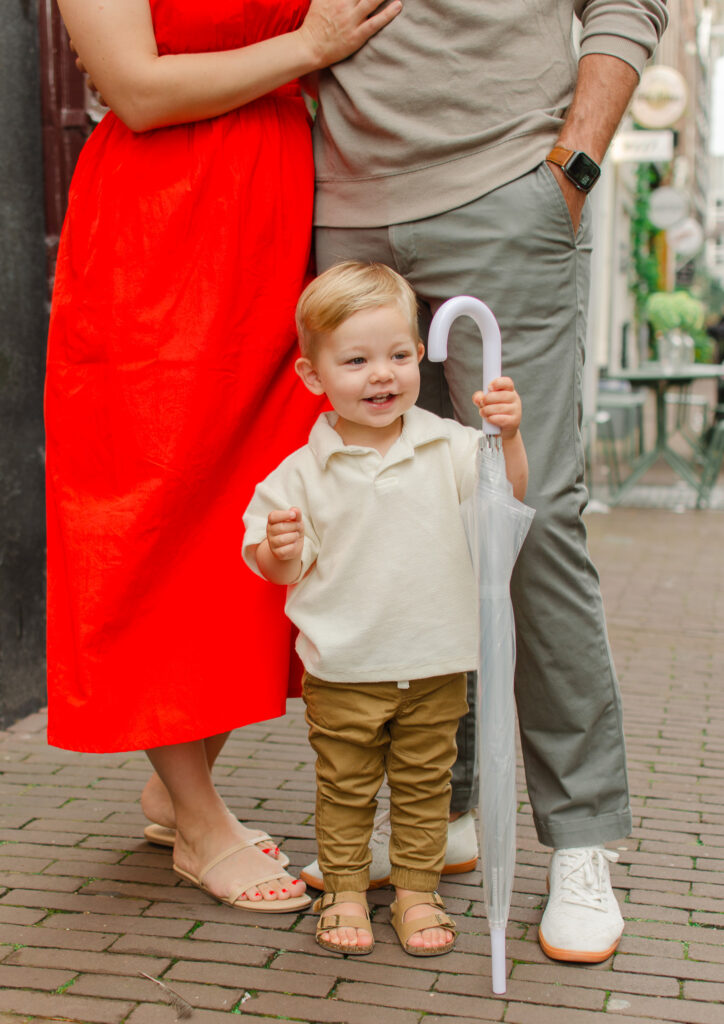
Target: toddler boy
363, 526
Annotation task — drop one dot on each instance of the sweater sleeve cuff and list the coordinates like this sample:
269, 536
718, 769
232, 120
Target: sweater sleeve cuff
626, 50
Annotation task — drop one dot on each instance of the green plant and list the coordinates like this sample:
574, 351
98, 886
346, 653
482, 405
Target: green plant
680, 310
666, 311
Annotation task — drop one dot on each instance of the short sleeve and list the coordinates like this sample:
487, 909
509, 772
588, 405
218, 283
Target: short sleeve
276, 493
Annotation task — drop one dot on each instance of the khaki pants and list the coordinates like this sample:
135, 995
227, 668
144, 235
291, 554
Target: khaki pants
361, 730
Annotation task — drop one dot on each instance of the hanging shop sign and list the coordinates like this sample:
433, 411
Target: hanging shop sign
661, 97
686, 238
667, 207
643, 147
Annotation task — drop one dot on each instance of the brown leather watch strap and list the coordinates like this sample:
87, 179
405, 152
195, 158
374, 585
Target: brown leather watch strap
560, 155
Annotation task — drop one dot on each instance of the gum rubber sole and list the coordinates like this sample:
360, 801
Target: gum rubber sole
577, 956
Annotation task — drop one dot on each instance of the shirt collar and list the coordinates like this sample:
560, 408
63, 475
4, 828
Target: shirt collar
419, 427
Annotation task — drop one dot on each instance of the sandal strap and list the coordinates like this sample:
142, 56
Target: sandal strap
417, 899
328, 921
252, 875
328, 899
435, 919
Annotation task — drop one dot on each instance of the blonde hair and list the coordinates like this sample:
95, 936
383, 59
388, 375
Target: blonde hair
348, 288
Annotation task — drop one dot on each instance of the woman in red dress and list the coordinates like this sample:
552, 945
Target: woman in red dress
171, 391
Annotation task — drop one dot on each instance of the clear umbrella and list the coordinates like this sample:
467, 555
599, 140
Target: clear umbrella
496, 524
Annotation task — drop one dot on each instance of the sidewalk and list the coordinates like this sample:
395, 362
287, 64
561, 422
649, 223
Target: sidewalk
88, 907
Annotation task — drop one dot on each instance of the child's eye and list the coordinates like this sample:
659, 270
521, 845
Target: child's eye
357, 360
402, 355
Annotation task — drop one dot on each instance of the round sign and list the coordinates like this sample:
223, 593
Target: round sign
667, 206
660, 99
686, 238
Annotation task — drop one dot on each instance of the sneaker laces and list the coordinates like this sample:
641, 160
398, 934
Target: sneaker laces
585, 876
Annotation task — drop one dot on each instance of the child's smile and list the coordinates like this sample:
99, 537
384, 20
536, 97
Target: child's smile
368, 369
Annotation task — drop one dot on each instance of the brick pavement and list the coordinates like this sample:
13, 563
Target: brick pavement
88, 910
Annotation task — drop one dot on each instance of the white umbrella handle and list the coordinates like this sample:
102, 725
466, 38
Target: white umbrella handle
466, 305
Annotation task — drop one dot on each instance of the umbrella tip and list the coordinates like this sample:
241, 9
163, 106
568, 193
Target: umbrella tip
497, 944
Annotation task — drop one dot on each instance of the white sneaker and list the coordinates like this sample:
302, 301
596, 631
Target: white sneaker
582, 921
461, 856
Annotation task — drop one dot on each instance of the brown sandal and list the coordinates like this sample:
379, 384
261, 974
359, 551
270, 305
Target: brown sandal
327, 921
405, 929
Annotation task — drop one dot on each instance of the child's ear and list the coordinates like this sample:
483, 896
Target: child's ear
420, 351
309, 375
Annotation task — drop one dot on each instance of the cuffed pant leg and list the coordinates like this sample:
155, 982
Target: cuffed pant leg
348, 732
419, 761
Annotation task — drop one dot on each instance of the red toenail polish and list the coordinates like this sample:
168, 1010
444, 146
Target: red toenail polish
284, 890
272, 893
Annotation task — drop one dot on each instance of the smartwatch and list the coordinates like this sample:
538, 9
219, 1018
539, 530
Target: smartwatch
577, 166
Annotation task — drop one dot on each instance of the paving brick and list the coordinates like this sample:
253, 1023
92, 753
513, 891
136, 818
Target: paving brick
330, 1011
253, 954
261, 979
521, 1013
43, 978
650, 1009
116, 925
692, 969
66, 1007
354, 969
541, 992
45, 938
598, 978
74, 902
140, 989
708, 991
87, 962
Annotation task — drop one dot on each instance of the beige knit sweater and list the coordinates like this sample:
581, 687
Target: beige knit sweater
457, 97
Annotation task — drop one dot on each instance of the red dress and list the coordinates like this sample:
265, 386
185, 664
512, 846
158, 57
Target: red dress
170, 392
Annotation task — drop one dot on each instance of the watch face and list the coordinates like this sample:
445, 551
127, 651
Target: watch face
583, 172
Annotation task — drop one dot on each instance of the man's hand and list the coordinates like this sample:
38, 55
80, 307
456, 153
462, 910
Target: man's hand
575, 199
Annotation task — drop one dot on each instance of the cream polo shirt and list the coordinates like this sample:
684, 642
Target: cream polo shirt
387, 590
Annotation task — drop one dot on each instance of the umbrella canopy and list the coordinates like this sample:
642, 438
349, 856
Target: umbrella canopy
496, 524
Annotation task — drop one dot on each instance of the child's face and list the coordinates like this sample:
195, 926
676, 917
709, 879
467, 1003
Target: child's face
368, 367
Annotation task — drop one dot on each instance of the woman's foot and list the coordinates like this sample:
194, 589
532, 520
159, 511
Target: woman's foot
346, 937
156, 803
157, 806
427, 941
195, 851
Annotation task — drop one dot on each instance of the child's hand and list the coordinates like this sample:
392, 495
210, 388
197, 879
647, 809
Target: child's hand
501, 406
285, 534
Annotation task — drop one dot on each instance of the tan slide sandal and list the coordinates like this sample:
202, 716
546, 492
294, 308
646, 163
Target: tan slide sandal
253, 874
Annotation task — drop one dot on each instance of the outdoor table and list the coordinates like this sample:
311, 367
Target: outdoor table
660, 378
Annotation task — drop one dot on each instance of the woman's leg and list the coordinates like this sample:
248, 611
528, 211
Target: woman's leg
205, 828
156, 801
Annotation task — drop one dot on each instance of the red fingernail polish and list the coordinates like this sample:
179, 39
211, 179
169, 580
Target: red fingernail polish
272, 893
284, 890
266, 851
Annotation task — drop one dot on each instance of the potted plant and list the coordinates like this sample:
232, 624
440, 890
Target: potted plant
677, 318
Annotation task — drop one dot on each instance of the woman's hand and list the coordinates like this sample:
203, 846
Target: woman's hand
333, 29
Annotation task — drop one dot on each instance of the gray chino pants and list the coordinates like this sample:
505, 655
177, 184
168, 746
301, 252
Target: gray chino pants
515, 249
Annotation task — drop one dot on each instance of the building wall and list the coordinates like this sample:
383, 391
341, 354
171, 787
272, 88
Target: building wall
22, 340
